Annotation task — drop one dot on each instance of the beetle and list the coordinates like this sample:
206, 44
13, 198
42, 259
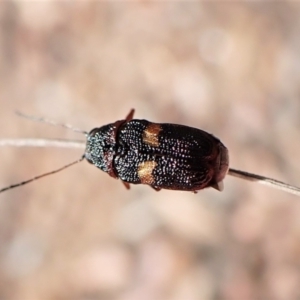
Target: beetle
164, 156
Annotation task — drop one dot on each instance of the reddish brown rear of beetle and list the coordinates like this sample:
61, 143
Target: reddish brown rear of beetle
221, 167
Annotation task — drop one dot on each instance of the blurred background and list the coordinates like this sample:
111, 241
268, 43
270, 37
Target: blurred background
232, 69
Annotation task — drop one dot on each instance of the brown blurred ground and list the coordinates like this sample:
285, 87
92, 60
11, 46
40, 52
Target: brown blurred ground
232, 69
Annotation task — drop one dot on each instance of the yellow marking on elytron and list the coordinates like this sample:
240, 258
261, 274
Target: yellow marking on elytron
151, 134
145, 170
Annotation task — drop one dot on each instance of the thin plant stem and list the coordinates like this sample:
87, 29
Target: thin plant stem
265, 180
59, 143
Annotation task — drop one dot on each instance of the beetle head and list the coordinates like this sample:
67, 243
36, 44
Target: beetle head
100, 147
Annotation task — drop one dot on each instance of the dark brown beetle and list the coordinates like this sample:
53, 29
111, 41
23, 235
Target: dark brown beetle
164, 156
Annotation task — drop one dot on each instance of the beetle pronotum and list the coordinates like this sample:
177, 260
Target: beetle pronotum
164, 156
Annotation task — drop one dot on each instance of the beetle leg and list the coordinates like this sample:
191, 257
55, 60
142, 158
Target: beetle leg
117, 124
126, 184
129, 117
156, 188
218, 186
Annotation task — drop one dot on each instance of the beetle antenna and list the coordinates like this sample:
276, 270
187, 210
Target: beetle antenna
42, 175
51, 122
265, 180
